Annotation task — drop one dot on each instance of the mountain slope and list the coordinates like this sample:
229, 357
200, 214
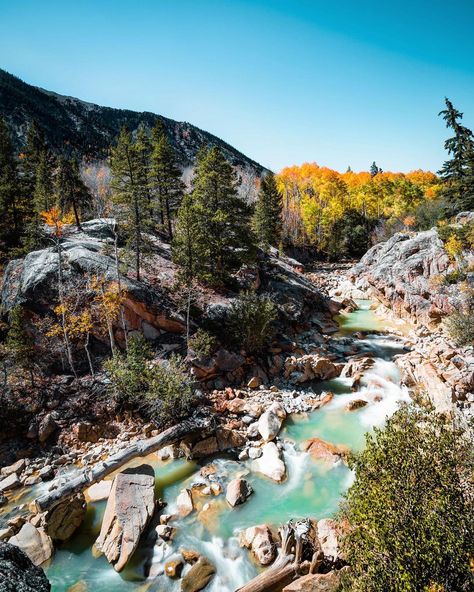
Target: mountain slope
75, 127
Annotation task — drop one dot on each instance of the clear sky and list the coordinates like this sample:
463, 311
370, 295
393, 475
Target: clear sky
339, 82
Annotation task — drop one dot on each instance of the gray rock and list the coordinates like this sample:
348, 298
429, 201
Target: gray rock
10, 482
237, 492
34, 542
18, 573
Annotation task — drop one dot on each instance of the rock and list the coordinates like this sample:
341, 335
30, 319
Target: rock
270, 422
47, 427
10, 482
99, 491
205, 448
189, 555
237, 492
165, 532
34, 542
328, 536
254, 452
228, 439
14, 468
254, 382
356, 404
46, 473
173, 568
184, 502
325, 451
310, 367
259, 539
199, 576
86, 432
328, 582
6, 533
270, 463
129, 508
18, 573
62, 521
3, 500
33, 480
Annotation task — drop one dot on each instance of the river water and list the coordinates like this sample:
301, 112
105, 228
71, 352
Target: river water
312, 489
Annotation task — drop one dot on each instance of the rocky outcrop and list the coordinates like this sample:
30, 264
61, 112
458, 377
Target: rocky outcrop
401, 273
18, 573
130, 506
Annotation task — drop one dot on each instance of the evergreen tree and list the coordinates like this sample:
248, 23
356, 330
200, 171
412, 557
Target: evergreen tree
128, 179
458, 172
374, 169
19, 344
10, 215
267, 218
166, 182
222, 240
70, 189
31, 155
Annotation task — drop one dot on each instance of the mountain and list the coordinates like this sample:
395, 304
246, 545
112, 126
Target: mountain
86, 130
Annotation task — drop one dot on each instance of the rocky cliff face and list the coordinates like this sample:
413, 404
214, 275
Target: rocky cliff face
402, 274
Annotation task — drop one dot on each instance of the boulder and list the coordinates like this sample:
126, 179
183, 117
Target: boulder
259, 540
237, 492
18, 573
254, 382
270, 463
310, 367
269, 423
184, 502
356, 404
325, 451
328, 582
129, 508
199, 576
228, 439
47, 427
34, 542
173, 568
62, 521
328, 536
99, 491
14, 468
10, 482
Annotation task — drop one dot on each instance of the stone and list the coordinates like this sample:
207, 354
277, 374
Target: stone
189, 555
6, 533
328, 582
99, 491
270, 422
324, 451
129, 508
356, 404
173, 568
16, 467
165, 532
34, 542
310, 367
18, 573
205, 448
260, 540
254, 452
10, 482
86, 432
62, 521
46, 473
270, 463
237, 492
3, 500
184, 502
228, 439
328, 536
254, 382
46, 428
33, 480
199, 576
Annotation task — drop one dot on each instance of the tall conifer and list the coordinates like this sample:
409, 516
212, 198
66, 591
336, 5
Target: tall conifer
267, 219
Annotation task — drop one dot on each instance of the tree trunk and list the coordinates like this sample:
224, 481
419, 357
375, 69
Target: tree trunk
90, 475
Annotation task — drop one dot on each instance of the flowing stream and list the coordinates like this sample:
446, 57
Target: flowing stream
312, 489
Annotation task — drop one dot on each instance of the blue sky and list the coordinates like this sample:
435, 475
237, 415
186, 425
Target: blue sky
285, 81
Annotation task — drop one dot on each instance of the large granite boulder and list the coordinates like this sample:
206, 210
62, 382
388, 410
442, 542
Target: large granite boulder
270, 463
62, 521
34, 542
270, 422
129, 508
31, 281
401, 273
18, 573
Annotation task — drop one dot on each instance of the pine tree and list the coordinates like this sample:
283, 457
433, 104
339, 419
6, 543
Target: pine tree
458, 172
128, 178
70, 189
267, 219
166, 183
374, 170
10, 215
31, 155
223, 240
19, 344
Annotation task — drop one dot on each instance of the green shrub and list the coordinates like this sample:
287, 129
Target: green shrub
454, 277
460, 324
202, 343
161, 391
410, 510
250, 324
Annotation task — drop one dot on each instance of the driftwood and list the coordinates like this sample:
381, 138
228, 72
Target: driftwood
291, 562
89, 476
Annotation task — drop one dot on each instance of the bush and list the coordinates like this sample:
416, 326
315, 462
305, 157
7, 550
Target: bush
460, 324
429, 213
410, 510
453, 277
250, 323
349, 236
202, 343
161, 391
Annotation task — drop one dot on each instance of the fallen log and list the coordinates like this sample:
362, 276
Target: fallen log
91, 475
296, 544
